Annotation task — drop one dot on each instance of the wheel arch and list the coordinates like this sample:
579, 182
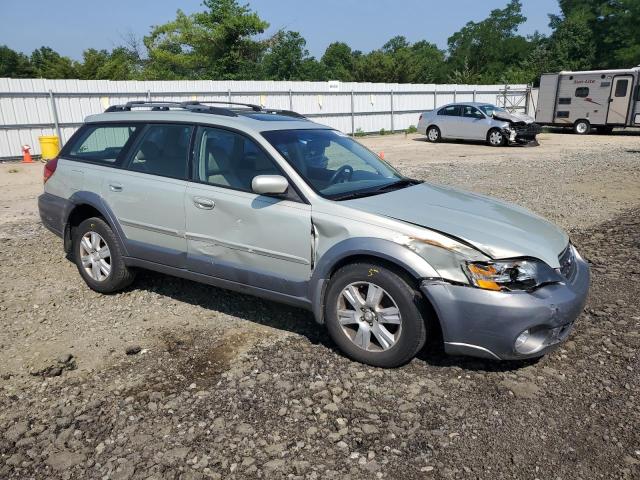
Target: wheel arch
394, 256
86, 205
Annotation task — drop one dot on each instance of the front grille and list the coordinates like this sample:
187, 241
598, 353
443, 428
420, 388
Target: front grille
527, 130
567, 263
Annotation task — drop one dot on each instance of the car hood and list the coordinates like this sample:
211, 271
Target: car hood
513, 117
499, 229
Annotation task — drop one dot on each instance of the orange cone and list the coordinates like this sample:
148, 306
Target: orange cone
381, 155
26, 154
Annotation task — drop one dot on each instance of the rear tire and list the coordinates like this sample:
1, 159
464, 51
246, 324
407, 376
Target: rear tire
433, 134
97, 254
374, 315
495, 138
581, 127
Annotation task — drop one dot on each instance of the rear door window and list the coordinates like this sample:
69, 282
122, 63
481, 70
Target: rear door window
162, 150
101, 143
450, 111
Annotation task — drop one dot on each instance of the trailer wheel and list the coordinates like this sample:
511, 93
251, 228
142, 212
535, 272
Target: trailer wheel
581, 127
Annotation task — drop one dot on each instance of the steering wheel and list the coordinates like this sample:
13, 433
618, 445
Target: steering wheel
344, 171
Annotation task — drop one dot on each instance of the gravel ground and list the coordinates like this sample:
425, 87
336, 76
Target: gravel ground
172, 379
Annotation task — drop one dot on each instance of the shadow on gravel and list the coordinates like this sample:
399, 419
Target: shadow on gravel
246, 307
480, 143
283, 317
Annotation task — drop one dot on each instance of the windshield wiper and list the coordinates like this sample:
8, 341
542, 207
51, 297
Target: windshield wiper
402, 183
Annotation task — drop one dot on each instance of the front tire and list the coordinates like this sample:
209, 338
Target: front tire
97, 254
374, 315
496, 138
433, 134
581, 127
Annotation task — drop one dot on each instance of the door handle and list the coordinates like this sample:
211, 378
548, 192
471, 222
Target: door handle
115, 187
204, 203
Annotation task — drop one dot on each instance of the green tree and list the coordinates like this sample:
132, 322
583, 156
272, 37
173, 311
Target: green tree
483, 49
613, 26
50, 64
217, 43
14, 64
339, 62
286, 56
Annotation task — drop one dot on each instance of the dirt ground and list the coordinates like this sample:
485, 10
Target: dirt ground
172, 379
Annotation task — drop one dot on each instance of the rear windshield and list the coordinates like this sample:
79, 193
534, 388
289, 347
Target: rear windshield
100, 143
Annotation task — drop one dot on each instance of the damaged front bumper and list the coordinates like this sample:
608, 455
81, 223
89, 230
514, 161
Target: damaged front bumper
522, 133
490, 324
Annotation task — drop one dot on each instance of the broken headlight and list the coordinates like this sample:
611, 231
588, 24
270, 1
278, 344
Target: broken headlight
508, 275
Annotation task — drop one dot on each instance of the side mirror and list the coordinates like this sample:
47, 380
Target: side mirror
269, 185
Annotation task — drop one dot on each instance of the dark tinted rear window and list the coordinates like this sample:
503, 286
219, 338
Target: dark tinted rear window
450, 111
162, 150
101, 143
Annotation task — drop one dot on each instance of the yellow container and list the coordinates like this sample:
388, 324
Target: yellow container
49, 146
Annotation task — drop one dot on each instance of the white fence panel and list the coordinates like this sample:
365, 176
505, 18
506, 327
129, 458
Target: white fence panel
33, 107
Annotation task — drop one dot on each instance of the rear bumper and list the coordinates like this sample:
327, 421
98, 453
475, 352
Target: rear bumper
53, 212
486, 324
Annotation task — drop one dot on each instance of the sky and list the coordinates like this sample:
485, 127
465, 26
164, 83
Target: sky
71, 26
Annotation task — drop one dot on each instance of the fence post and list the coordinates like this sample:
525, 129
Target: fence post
353, 117
392, 126
290, 100
474, 95
148, 95
455, 94
435, 98
54, 112
229, 95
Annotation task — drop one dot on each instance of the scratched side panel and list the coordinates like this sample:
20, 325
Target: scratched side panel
249, 238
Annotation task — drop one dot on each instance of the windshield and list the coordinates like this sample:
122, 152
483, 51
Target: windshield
490, 109
333, 164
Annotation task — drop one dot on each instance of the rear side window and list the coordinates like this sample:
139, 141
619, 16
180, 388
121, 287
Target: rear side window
582, 92
162, 150
101, 143
621, 88
450, 111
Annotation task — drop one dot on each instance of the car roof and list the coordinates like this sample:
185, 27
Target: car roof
473, 104
255, 122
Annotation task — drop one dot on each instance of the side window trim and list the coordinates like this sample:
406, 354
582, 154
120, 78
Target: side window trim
293, 193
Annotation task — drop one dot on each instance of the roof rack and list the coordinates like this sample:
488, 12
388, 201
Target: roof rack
201, 107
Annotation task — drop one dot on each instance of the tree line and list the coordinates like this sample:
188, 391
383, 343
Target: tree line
223, 42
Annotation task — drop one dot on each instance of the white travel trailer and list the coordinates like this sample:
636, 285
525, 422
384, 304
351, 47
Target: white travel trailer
582, 100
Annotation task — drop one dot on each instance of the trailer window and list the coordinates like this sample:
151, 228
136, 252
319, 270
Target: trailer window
637, 93
562, 115
621, 88
582, 92
564, 101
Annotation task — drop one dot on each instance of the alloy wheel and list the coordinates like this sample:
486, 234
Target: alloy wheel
369, 316
433, 134
95, 256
